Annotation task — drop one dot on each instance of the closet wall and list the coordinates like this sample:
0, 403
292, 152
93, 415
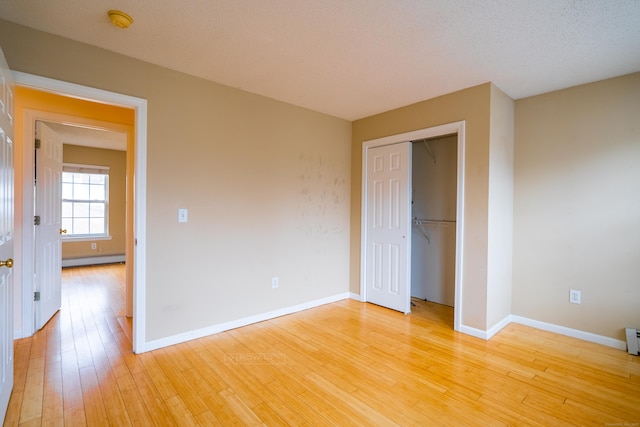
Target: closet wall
433, 240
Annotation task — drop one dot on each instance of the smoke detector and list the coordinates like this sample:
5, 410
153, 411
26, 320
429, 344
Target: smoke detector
120, 19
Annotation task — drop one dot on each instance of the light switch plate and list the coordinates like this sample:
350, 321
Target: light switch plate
183, 215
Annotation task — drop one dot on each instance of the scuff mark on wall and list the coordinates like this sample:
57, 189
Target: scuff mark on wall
323, 192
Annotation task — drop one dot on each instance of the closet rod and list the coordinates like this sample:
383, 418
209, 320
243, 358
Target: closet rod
433, 221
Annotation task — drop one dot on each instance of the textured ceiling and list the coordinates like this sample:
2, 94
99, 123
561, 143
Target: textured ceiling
355, 58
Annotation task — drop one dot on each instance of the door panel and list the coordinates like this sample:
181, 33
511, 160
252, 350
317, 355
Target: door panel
48, 244
388, 226
6, 235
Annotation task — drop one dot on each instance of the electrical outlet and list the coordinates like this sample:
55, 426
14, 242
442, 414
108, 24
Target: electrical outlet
274, 282
93, 246
574, 296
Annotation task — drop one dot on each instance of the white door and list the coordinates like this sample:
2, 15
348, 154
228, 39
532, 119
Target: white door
48, 206
6, 235
388, 228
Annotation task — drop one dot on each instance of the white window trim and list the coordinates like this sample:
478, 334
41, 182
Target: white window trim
97, 170
79, 168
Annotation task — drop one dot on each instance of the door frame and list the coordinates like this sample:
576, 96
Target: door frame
431, 132
139, 209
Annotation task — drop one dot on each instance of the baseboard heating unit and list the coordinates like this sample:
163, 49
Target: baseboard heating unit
633, 341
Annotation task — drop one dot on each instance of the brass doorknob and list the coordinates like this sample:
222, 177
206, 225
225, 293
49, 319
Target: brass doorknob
8, 263
63, 231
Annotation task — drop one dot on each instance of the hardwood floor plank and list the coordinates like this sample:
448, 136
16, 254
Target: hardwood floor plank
95, 412
180, 412
153, 401
12, 417
33, 390
116, 408
74, 416
159, 379
36, 422
344, 364
246, 415
179, 382
71, 388
208, 419
362, 408
136, 409
52, 403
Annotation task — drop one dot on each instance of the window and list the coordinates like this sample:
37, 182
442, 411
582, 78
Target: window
85, 200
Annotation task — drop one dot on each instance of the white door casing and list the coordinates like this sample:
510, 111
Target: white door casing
388, 261
6, 235
48, 206
140, 210
436, 131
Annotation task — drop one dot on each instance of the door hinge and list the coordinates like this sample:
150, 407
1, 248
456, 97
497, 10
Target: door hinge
36, 220
37, 144
36, 296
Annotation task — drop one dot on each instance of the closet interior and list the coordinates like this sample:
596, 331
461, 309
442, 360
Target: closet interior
433, 213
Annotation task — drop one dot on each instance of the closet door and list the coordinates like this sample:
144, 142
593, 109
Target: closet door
388, 238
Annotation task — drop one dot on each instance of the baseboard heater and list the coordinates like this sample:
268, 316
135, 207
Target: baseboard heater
633, 341
94, 260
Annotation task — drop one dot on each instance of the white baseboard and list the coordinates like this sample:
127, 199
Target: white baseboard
355, 296
478, 333
488, 334
214, 329
93, 260
550, 327
574, 333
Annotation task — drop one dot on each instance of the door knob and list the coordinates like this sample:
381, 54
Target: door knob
63, 231
8, 263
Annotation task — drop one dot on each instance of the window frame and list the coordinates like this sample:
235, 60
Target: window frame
89, 170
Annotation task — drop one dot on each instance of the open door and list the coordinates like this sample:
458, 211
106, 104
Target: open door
388, 229
48, 210
6, 236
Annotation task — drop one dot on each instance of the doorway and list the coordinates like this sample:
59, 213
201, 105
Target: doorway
136, 167
81, 202
456, 130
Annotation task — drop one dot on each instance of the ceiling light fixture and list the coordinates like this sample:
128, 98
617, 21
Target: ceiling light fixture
120, 19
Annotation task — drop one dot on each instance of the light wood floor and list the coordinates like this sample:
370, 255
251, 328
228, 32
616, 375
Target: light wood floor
342, 364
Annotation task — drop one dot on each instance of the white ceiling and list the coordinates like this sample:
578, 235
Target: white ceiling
355, 58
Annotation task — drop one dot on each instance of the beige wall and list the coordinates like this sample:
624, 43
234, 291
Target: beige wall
577, 206
266, 184
473, 106
116, 161
500, 234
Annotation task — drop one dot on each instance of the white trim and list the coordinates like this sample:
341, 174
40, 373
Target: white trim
93, 260
457, 128
354, 296
88, 169
488, 334
478, 333
221, 327
569, 332
140, 189
498, 327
